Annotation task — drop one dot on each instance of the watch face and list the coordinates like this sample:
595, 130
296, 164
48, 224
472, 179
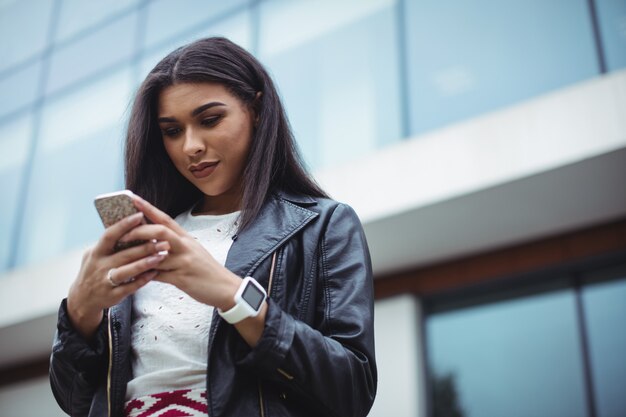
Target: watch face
253, 296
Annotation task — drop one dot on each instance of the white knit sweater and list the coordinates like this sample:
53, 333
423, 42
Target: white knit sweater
170, 329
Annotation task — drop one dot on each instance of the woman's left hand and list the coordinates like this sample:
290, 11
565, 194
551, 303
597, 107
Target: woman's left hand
188, 265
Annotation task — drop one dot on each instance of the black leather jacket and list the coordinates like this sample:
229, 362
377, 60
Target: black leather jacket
316, 354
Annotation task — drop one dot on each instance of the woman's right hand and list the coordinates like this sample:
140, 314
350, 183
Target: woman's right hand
129, 270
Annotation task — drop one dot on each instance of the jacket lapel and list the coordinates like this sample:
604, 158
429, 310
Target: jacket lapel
279, 219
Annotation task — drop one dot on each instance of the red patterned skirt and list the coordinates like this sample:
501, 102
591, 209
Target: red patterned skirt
181, 403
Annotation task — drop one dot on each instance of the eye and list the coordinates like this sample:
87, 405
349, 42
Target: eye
170, 132
211, 121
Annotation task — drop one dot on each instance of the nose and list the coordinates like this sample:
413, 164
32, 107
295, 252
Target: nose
193, 144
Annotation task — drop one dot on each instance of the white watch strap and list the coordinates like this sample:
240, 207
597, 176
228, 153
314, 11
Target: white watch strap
235, 314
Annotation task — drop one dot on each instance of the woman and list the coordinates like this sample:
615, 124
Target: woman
171, 327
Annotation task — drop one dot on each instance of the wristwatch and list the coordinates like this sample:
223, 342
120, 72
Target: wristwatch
248, 301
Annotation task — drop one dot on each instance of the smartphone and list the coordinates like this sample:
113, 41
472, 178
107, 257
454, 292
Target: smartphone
113, 207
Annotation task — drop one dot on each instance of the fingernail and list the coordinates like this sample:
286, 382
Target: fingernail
162, 246
134, 217
155, 259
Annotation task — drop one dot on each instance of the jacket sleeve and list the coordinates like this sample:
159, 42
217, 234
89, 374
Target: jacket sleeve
76, 366
333, 364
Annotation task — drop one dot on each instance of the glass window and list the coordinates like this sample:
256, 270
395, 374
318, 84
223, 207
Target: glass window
28, 21
15, 140
79, 155
236, 28
78, 15
612, 19
470, 57
167, 19
605, 311
19, 88
101, 50
513, 358
336, 67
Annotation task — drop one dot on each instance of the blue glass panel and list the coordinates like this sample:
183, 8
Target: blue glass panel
24, 26
78, 15
236, 28
469, 57
20, 88
612, 19
98, 51
79, 155
336, 67
167, 18
605, 311
15, 140
515, 358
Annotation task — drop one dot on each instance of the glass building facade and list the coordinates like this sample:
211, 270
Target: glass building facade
355, 76
555, 351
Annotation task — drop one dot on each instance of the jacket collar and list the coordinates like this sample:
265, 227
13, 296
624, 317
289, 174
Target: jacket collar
299, 199
282, 216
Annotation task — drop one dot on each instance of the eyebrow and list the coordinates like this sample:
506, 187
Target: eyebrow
194, 113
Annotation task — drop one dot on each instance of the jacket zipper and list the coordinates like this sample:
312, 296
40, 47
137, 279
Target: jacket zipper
110, 362
269, 291
261, 405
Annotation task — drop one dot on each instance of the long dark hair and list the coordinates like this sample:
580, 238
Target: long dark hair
273, 161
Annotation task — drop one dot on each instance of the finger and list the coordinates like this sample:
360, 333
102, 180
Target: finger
133, 286
157, 216
150, 232
125, 273
111, 235
162, 248
148, 274
170, 263
134, 253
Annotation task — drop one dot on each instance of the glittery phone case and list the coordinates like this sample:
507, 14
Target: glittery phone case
113, 207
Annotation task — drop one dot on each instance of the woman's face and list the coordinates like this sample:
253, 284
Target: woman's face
207, 133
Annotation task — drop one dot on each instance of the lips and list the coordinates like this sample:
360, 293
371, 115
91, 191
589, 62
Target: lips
203, 169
